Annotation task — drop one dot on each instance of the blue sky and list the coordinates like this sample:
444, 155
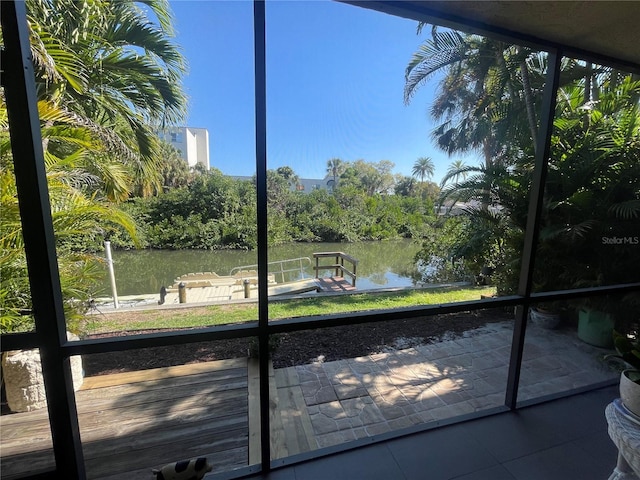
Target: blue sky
335, 79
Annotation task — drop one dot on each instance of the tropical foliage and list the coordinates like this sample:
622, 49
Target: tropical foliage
487, 102
593, 187
488, 92
456, 170
117, 73
216, 212
335, 168
107, 78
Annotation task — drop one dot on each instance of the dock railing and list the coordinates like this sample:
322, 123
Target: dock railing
338, 265
281, 268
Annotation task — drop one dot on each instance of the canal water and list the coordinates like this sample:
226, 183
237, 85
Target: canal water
380, 264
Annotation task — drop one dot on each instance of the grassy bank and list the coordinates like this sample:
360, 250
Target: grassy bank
302, 307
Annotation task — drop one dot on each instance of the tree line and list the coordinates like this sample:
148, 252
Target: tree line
213, 211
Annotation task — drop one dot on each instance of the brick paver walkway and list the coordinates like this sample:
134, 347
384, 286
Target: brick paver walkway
366, 396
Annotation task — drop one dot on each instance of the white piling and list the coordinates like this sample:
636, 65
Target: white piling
112, 275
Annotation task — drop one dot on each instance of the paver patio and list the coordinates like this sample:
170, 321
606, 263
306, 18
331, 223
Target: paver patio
145, 419
366, 396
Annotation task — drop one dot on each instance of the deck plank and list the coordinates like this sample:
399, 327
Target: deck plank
235, 457
291, 288
182, 386
293, 421
131, 422
140, 398
88, 401
278, 436
253, 374
126, 378
334, 284
286, 377
212, 443
27, 462
300, 436
179, 444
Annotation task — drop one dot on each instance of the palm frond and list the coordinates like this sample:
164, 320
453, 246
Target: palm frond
162, 11
627, 210
54, 61
444, 49
463, 171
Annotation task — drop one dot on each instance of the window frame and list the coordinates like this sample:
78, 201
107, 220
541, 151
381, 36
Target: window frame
50, 334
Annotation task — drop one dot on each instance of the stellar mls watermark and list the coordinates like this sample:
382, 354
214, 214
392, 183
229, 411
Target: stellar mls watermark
621, 240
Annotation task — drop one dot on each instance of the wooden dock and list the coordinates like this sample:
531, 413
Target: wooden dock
334, 285
133, 422
321, 285
207, 288
217, 294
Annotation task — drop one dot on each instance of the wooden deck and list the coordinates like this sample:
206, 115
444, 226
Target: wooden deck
133, 422
334, 285
291, 430
294, 288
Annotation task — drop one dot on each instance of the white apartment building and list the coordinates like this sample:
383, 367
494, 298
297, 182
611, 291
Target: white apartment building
192, 143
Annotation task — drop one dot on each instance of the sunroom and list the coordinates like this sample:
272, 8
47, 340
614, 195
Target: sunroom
560, 167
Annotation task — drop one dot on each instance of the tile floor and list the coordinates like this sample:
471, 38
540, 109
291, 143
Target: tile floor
562, 439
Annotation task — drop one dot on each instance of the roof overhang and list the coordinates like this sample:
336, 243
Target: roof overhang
601, 31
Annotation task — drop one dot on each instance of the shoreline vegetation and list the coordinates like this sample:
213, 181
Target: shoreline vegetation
211, 211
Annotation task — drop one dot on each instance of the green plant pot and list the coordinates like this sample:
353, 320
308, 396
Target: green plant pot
595, 328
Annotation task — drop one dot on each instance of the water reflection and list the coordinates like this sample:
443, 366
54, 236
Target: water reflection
381, 264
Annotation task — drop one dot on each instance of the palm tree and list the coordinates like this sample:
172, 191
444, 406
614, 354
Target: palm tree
106, 77
592, 191
486, 90
115, 70
423, 168
175, 171
75, 216
335, 168
456, 170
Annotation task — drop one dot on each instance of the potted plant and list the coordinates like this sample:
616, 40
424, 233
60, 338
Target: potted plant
596, 321
628, 352
547, 315
599, 316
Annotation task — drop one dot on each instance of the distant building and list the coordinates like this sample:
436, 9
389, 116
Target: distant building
192, 143
309, 184
304, 185
459, 208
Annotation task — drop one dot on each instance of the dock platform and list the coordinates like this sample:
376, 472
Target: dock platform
210, 288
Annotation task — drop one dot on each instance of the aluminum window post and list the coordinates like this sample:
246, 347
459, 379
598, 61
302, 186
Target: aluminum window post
39, 239
261, 191
536, 195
